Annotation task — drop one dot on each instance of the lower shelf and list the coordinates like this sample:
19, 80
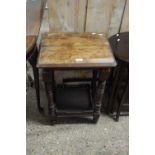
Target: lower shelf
82, 113
73, 98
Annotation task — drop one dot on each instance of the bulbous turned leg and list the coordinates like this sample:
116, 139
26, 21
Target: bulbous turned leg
98, 101
48, 81
103, 75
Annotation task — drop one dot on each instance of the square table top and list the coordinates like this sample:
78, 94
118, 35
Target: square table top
75, 50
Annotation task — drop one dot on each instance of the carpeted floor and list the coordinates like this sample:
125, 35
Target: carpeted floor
75, 136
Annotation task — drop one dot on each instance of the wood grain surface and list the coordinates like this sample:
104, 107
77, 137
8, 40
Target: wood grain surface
99, 15
116, 17
88, 16
33, 16
125, 21
67, 15
75, 50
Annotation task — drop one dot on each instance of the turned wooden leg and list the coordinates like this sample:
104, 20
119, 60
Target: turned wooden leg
103, 76
48, 76
114, 90
98, 101
108, 90
121, 102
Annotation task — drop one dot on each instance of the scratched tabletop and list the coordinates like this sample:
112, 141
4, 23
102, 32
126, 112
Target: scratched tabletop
69, 49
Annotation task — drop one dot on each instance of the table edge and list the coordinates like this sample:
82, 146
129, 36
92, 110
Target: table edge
75, 66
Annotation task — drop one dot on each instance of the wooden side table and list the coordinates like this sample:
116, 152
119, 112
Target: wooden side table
74, 51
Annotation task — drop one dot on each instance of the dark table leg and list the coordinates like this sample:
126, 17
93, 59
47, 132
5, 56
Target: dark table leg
118, 94
48, 76
108, 90
94, 80
32, 60
122, 101
115, 82
98, 93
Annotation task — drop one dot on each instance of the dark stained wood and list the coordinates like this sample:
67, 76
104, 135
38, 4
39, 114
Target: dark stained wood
122, 49
74, 114
117, 90
60, 51
48, 81
120, 89
98, 101
75, 50
118, 43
